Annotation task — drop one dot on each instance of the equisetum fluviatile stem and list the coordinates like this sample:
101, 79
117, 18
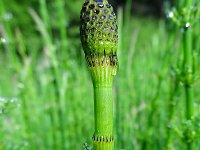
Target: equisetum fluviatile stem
99, 39
188, 70
187, 48
185, 16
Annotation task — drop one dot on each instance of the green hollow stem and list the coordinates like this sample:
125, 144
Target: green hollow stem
103, 106
189, 104
189, 110
187, 68
172, 104
187, 47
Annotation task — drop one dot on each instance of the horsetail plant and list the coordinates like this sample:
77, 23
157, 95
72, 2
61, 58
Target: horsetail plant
185, 15
99, 39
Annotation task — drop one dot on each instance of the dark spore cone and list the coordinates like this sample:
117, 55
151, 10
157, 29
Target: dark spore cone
98, 32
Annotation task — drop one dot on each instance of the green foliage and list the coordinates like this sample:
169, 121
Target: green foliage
43, 68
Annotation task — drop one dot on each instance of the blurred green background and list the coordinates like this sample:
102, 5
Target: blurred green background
46, 94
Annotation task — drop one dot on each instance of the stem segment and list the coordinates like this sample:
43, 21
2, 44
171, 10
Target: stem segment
103, 106
188, 75
187, 47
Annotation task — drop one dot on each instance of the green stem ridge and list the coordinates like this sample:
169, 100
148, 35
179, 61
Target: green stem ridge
99, 39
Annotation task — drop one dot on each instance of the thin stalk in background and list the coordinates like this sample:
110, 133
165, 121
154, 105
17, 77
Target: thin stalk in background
124, 25
62, 24
171, 110
188, 70
118, 108
127, 13
187, 47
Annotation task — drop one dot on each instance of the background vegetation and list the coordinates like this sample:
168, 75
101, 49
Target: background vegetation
46, 97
